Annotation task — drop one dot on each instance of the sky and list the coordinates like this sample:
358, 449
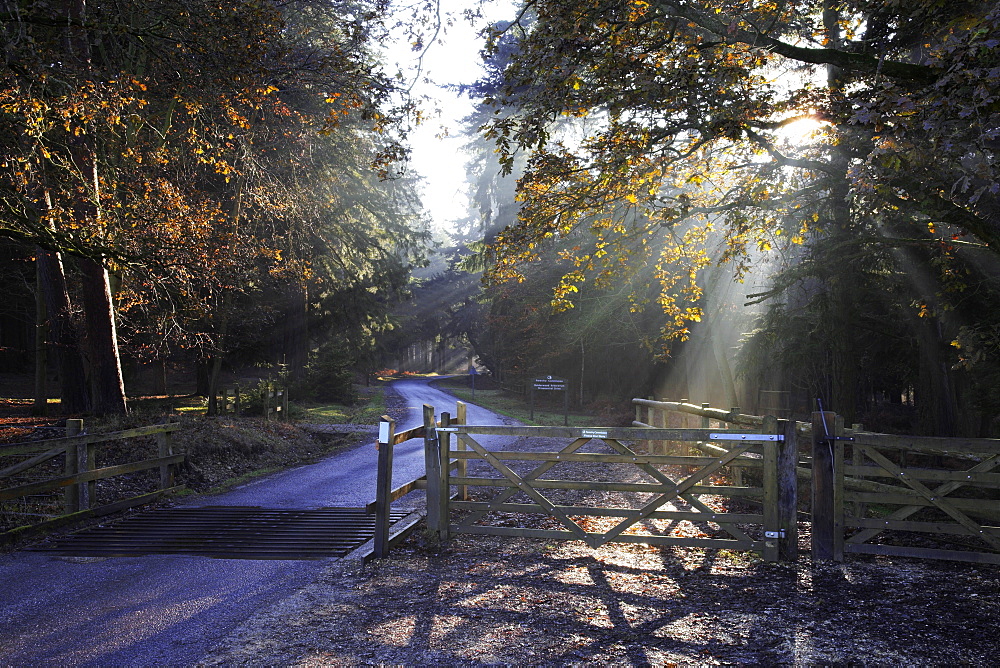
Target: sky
453, 58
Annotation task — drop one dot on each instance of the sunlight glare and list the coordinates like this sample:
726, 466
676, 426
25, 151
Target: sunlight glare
800, 132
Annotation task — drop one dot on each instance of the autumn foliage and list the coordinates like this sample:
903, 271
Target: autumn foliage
205, 154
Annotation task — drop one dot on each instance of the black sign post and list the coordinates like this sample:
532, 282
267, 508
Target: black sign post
472, 378
550, 384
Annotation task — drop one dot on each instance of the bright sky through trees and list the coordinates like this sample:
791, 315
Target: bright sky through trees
437, 144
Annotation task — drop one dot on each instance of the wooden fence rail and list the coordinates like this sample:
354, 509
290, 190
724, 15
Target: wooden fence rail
78, 454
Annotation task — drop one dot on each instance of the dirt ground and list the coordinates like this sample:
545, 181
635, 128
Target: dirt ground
484, 600
479, 600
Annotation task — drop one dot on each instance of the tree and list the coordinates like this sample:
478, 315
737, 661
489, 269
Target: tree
644, 120
170, 143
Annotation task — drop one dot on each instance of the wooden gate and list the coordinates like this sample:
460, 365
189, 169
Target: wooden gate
678, 488
884, 494
915, 496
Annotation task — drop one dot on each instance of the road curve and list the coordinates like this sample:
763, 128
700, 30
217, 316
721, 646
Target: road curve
169, 609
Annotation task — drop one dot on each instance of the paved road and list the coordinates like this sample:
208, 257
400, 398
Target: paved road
171, 610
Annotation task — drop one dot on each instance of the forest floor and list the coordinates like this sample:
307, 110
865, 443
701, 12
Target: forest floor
485, 600
481, 600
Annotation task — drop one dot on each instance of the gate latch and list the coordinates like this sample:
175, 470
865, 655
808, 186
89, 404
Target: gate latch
775, 534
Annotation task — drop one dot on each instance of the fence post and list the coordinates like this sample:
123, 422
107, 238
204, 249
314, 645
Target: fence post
236, 399
838, 491
383, 485
88, 492
165, 448
71, 497
444, 452
432, 465
772, 520
463, 464
737, 471
788, 491
284, 404
857, 460
706, 423
824, 483
660, 422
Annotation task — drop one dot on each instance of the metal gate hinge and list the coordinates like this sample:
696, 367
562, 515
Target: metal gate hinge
775, 534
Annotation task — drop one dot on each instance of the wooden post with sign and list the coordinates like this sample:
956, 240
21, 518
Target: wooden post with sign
383, 485
550, 384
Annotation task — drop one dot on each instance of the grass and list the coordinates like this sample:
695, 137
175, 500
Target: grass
229, 483
513, 406
369, 407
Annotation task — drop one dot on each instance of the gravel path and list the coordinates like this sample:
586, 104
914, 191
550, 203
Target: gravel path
514, 601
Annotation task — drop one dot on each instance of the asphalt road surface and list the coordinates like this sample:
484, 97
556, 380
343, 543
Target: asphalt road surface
170, 609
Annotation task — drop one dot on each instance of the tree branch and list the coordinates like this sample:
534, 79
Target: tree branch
725, 29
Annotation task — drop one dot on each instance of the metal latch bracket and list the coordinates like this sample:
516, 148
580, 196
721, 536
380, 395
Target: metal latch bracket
746, 437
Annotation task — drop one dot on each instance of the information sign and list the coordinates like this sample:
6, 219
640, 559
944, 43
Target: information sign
550, 383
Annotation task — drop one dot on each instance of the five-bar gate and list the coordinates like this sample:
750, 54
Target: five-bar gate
673, 491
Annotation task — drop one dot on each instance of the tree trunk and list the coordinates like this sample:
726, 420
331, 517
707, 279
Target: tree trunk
159, 377
936, 405
216, 366
839, 328
107, 384
296, 329
725, 370
63, 336
41, 359
203, 373
213, 385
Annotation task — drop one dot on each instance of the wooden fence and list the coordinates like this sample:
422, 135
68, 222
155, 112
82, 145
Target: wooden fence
276, 403
229, 401
925, 492
275, 400
77, 456
881, 493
